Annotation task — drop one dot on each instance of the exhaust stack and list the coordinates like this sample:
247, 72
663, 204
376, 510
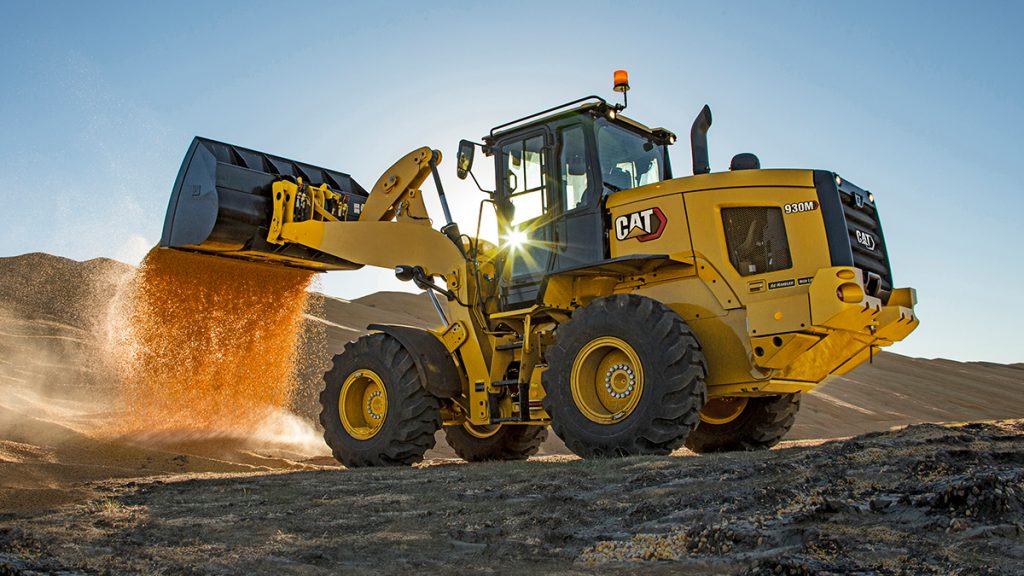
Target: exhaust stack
699, 141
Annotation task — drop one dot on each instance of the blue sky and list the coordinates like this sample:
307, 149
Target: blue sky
919, 102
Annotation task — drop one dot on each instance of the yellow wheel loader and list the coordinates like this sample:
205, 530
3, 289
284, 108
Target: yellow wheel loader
631, 310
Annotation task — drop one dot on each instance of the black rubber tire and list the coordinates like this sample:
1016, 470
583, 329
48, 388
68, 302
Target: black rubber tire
413, 415
761, 425
507, 443
674, 387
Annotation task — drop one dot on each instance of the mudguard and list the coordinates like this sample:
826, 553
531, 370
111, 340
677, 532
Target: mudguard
435, 364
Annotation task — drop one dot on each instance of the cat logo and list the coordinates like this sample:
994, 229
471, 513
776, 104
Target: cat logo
643, 225
866, 240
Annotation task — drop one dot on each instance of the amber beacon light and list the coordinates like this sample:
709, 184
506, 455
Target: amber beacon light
621, 81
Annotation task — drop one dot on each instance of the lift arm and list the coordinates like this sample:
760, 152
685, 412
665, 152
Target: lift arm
393, 228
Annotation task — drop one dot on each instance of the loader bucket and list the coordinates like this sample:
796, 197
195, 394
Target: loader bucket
221, 205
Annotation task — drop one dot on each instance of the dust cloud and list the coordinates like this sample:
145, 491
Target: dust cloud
207, 345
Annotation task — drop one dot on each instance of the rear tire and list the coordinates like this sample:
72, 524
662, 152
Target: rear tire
374, 410
625, 376
475, 444
760, 425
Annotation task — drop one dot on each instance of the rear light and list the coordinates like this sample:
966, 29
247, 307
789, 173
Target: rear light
850, 292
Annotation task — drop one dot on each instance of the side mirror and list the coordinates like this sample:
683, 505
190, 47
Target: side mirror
464, 161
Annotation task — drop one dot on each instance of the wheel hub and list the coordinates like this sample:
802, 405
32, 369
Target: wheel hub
481, 432
607, 380
375, 405
619, 381
363, 404
723, 410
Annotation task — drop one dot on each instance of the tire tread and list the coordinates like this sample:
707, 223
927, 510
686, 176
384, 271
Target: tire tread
418, 411
682, 390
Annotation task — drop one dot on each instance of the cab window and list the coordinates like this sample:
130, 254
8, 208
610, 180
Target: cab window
628, 159
525, 178
573, 167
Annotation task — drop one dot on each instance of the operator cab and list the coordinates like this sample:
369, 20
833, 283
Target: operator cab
553, 173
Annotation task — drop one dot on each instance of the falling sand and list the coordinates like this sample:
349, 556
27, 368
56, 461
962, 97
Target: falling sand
207, 345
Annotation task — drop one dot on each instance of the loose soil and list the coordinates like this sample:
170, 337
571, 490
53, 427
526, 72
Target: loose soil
929, 499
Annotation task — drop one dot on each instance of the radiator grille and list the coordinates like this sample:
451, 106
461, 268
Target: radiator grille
865, 232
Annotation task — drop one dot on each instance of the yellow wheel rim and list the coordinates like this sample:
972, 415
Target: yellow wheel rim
481, 431
723, 410
363, 404
607, 380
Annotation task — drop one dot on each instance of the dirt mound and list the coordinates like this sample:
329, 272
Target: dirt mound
52, 314
925, 500
54, 289
896, 390
417, 306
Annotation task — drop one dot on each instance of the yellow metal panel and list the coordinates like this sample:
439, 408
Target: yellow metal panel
571, 291
726, 348
906, 297
805, 231
781, 350
828, 354
786, 313
689, 296
895, 323
855, 360
829, 311
454, 336
766, 388
651, 225
718, 180
717, 284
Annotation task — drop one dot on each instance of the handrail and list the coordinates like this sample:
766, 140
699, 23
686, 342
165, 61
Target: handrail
543, 112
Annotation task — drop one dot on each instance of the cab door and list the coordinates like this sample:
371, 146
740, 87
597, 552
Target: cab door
579, 228
527, 206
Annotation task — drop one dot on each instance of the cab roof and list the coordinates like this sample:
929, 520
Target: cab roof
597, 108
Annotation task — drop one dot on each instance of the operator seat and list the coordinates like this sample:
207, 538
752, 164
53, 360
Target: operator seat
619, 178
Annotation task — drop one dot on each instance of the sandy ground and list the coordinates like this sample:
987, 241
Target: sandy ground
925, 500
75, 496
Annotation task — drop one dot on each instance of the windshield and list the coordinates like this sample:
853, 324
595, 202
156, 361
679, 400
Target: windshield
628, 159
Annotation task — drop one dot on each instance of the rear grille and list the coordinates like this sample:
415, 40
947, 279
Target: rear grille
865, 233
853, 229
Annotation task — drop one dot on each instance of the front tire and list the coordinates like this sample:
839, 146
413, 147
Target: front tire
501, 442
374, 410
625, 376
742, 424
